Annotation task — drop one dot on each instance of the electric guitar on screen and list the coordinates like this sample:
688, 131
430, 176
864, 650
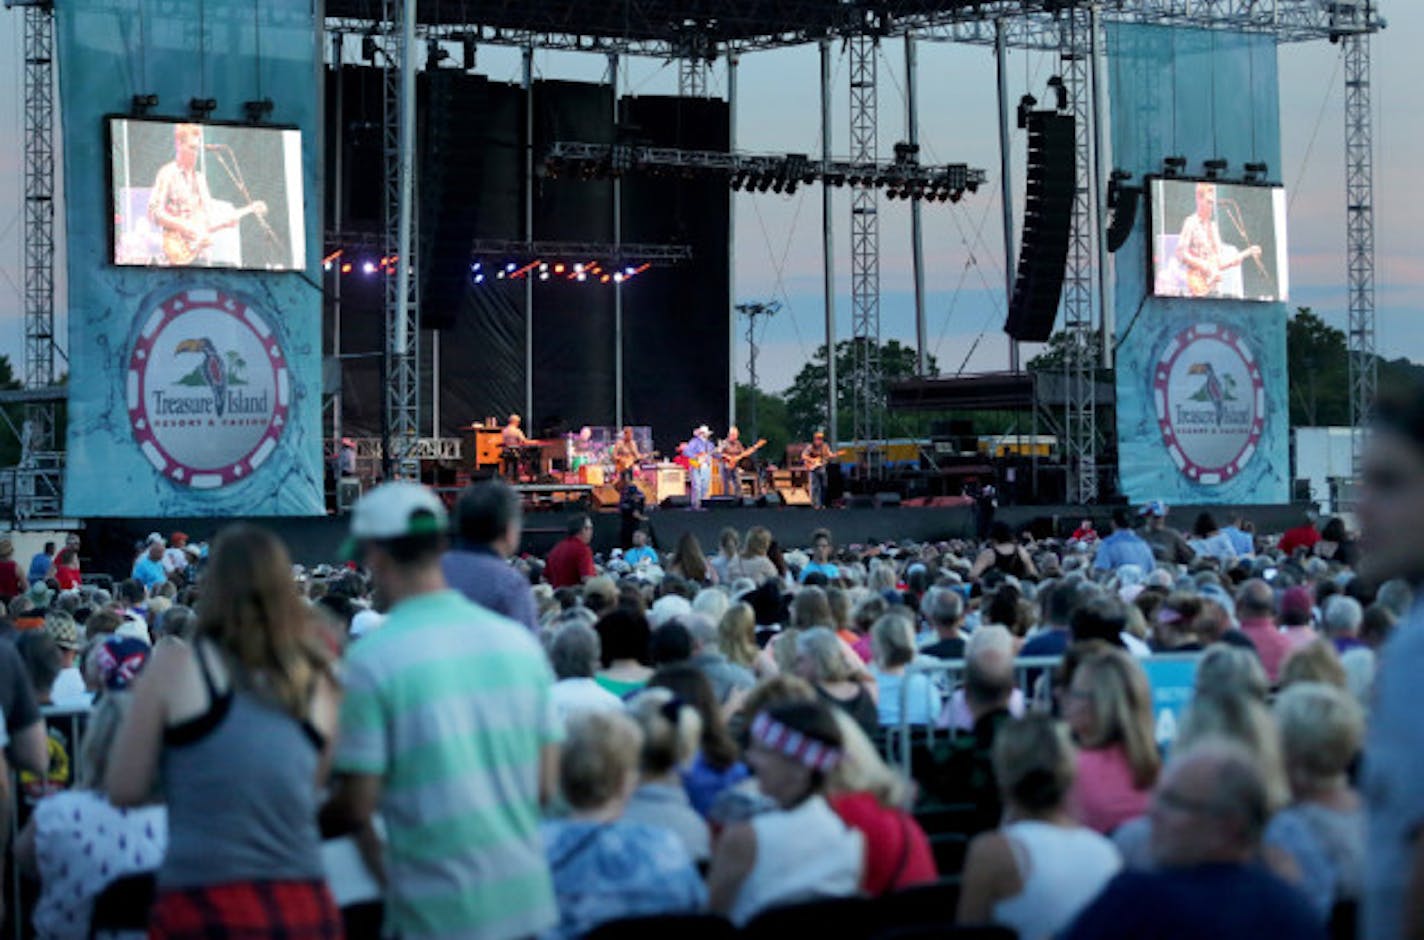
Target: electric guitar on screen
181, 248
1203, 280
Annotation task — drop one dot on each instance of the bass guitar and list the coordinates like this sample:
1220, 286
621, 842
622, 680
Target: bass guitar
182, 249
732, 461
815, 463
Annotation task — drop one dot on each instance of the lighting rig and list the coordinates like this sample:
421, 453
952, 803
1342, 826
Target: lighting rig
902, 178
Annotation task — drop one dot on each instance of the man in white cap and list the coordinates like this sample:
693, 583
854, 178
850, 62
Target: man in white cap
449, 729
698, 452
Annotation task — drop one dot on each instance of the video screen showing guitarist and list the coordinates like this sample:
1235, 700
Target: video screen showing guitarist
182, 206
188, 194
1201, 251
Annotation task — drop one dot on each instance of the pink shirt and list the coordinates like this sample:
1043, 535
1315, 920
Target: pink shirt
1300, 636
1271, 644
1104, 795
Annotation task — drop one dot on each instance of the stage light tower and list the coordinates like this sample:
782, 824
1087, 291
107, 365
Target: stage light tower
752, 311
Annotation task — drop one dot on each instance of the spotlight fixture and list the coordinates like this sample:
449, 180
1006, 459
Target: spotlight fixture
1214, 168
200, 108
1256, 172
1173, 166
257, 111
140, 105
1026, 104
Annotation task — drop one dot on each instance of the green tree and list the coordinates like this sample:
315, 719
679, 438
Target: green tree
14, 414
769, 422
806, 398
1318, 360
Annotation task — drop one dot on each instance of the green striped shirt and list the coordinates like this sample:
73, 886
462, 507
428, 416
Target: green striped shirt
451, 705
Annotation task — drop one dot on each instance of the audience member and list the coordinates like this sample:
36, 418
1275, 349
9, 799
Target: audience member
943, 610
717, 765
902, 695
672, 733
574, 654
1256, 610
489, 522
1108, 706
626, 650
571, 562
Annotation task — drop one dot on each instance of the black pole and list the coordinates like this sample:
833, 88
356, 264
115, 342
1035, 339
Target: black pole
385, 365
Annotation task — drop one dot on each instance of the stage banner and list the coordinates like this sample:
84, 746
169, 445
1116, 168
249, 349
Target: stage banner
193, 255
1202, 410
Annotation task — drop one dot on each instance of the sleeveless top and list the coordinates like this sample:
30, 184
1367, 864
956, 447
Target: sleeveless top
1009, 563
1062, 869
240, 784
802, 854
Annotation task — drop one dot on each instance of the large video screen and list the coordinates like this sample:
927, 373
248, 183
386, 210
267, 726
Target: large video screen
1219, 240
190, 195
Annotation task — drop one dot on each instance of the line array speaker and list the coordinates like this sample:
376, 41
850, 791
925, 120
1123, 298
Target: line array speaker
1048, 222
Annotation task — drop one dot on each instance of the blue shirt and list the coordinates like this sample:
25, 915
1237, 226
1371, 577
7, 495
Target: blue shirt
1052, 642
704, 783
922, 700
39, 566
697, 447
148, 572
488, 580
1241, 542
606, 871
636, 556
829, 570
1124, 547
1223, 902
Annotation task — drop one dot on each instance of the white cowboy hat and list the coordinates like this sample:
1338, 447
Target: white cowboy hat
703, 429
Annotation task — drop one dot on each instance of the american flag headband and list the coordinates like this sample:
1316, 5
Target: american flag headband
773, 735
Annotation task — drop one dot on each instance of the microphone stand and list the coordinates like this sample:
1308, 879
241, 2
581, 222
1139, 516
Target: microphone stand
223, 153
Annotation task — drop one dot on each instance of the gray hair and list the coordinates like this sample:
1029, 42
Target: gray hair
893, 639
822, 649
1342, 616
575, 651
989, 665
1240, 787
943, 606
702, 628
713, 602
1397, 596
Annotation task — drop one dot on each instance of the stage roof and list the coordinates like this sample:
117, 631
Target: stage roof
706, 28
994, 391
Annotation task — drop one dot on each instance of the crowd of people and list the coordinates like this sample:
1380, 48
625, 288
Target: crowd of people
479, 743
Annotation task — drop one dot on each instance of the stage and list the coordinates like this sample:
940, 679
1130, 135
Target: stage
109, 543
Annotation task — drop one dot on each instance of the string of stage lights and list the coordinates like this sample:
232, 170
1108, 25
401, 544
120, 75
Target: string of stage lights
494, 260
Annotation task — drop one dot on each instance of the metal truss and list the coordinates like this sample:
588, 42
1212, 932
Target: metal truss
1079, 365
693, 77
1360, 239
911, 180
402, 302
867, 382
515, 250
660, 28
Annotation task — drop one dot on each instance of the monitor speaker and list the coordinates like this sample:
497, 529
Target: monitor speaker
677, 502
796, 496
605, 496
1047, 226
887, 500
859, 501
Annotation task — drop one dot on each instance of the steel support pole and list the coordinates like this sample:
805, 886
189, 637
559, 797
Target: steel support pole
917, 241
1107, 316
828, 250
529, 235
337, 218
1360, 239
1006, 175
617, 253
732, 249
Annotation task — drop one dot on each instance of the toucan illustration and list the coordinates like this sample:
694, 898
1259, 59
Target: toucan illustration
214, 370
1213, 391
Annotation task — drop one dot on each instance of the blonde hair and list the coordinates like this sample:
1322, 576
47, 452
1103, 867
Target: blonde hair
893, 640
758, 543
1245, 720
1321, 727
736, 634
99, 734
600, 754
672, 731
1314, 662
1121, 703
823, 649
1231, 670
862, 770
784, 649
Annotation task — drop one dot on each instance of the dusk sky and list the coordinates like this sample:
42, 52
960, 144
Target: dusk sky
779, 237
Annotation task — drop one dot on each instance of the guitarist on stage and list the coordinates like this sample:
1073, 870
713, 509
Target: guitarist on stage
626, 457
731, 452
814, 458
182, 206
1200, 250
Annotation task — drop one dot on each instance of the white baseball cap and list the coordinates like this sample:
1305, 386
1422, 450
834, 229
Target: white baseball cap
394, 511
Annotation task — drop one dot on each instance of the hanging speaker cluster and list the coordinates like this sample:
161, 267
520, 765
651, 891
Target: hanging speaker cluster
1047, 226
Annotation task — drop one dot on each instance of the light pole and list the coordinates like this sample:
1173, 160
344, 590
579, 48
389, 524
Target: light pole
752, 311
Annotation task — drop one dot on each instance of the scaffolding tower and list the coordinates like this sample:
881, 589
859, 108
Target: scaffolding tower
867, 383
400, 238
1082, 352
1360, 238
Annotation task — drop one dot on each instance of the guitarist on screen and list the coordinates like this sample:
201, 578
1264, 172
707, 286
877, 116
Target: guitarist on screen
181, 205
1200, 250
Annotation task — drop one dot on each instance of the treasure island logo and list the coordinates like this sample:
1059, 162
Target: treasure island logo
208, 389
1211, 402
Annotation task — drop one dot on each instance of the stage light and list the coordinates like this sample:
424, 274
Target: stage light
257, 110
543, 275
140, 105
1060, 91
1214, 168
629, 271
368, 268
200, 108
578, 269
1256, 172
327, 265
618, 278
1173, 166
476, 266
603, 280
558, 269
511, 267
580, 277
479, 278
346, 268
499, 275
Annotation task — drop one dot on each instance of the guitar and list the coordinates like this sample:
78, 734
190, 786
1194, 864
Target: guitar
732, 462
1203, 282
815, 463
627, 462
181, 249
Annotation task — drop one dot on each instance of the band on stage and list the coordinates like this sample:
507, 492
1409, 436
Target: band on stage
703, 466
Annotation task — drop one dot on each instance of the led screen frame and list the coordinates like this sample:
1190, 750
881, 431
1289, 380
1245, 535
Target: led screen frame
254, 180
1258, 208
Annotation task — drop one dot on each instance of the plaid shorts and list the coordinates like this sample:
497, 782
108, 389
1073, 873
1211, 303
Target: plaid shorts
247, 910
